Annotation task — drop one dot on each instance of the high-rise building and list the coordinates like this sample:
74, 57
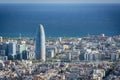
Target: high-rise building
50, 53
40, 44
20, 49
12, 50
1, 39
25, 55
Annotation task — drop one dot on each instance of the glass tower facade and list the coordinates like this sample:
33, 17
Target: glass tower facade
40, 44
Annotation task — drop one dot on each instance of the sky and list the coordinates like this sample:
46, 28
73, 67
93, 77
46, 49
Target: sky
59, 1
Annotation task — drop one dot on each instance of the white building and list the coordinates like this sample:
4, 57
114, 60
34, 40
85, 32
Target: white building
1, 39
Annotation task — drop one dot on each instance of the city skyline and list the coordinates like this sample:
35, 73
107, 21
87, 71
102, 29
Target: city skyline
91, 57
59, 40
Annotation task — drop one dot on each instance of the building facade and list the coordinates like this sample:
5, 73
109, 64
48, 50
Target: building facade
40, 44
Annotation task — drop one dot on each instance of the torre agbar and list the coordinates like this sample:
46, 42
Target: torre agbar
40, 44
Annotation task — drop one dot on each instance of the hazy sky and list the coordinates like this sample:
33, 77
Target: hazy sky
59, 1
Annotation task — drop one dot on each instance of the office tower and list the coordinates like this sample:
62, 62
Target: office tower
40, 44
25, 55
50, 53
12, 50
5, 47
20, 49
1, 39
60, 39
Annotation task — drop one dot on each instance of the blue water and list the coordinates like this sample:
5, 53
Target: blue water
70, 20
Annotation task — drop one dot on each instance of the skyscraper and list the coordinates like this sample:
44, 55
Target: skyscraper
11, 50
40, 44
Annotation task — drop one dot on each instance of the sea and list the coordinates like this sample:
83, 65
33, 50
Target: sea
59, 20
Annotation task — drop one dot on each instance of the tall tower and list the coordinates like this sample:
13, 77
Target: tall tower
11, 50
40, 44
